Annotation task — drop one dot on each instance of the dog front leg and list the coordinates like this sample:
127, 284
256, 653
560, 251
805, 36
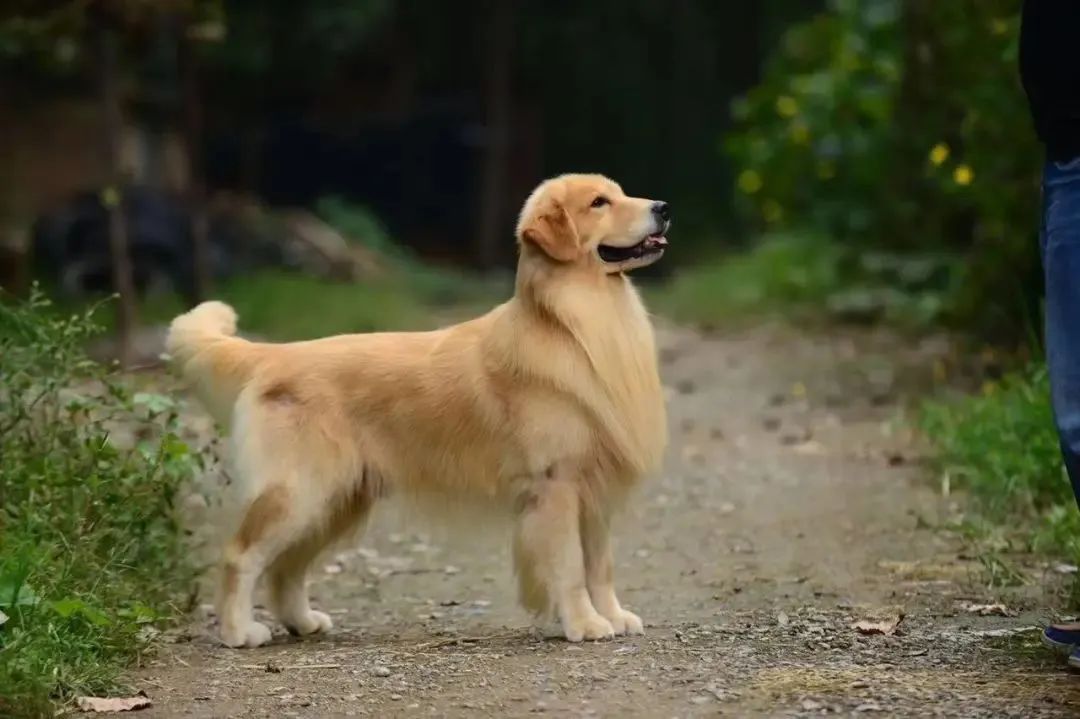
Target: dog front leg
599, 574
549, 559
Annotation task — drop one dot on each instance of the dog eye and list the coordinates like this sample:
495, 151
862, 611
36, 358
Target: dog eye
600, 201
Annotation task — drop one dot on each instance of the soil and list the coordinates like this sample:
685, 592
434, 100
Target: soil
793, 505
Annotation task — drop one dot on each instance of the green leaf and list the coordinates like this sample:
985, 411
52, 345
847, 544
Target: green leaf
156, 403
67, 607
73, 606
15, 592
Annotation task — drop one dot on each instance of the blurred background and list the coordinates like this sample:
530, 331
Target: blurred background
345, 166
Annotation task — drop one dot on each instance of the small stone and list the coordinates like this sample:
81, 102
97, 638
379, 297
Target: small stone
381, 671
451, 570
868, 707
195, 502
395, 697
699, 699
810, 705
782, 619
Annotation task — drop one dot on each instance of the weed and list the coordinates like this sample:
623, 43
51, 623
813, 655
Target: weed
1002, 446
92, 561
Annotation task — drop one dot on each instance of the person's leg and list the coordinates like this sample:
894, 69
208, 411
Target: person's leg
1060, 239
1060, 245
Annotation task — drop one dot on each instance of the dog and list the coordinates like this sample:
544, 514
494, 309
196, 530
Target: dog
546, 411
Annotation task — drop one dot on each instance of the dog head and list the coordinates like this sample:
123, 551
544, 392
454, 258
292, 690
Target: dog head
588, 221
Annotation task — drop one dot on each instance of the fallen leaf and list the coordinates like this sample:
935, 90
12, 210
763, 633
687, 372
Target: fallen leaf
886, 626
104, 705
988, 610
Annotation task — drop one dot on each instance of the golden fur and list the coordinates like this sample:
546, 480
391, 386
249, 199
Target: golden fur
546, 410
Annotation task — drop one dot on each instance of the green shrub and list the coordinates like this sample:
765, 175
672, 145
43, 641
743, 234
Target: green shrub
902, 126
92, 561
1002, 445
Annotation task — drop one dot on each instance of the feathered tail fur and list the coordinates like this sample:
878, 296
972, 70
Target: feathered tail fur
202, 345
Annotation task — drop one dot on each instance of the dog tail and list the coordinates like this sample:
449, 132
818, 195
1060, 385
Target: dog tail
202, 345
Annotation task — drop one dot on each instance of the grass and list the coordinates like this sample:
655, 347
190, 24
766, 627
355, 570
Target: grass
92, 565
1002, 446
782, 273
808, 277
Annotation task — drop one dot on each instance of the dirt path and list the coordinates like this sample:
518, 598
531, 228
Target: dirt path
791, 506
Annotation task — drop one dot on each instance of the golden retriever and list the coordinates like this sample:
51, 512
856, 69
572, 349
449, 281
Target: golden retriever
546, 411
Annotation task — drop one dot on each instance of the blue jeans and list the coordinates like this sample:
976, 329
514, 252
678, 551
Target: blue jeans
1060, 243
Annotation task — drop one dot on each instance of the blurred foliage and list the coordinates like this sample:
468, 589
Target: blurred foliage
798, 274
785, 274
902, 126
266, 38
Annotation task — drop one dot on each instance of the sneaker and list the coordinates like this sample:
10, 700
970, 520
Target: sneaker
1064, 639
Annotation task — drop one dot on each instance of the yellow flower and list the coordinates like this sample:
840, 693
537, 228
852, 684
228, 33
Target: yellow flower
939, 154
826, 170
999, 26
963, 175
786, 106
750, 181
989, 388
800, 133
772, 212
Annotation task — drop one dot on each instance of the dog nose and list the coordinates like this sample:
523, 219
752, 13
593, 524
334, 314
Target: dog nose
662, 210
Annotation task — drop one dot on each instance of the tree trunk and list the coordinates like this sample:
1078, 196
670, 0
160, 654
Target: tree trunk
193, 123
499, 56
112, 195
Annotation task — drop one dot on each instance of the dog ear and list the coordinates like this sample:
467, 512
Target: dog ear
554, 233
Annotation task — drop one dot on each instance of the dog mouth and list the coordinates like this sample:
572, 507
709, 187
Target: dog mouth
652, 245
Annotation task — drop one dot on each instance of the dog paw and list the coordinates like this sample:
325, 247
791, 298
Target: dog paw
252, 634
311, 623
625, 622
590, 628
